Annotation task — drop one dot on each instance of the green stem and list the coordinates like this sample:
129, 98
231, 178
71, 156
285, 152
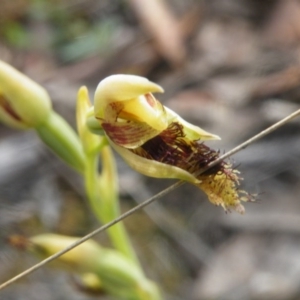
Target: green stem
105, 204
56, 133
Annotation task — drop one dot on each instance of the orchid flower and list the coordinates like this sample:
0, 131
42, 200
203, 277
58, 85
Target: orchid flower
157, 142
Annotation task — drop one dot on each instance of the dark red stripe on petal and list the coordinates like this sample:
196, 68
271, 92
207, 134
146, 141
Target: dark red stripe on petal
130, 133
6, 106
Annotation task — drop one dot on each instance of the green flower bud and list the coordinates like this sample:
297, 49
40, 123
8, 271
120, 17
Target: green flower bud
23, 102
118, 275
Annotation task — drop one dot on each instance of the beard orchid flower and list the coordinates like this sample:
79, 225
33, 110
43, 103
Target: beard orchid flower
157, 142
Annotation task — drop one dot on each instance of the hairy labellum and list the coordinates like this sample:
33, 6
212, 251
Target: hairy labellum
219, 182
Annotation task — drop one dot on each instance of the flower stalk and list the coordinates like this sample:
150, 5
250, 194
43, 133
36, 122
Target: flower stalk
57, 134
101, 189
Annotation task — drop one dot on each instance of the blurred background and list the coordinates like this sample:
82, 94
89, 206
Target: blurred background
229, 66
